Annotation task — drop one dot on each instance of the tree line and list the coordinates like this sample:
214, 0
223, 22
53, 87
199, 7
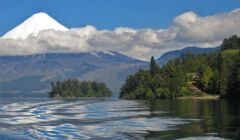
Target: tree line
76, 88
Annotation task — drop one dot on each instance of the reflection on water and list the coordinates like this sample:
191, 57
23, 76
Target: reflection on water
118, 119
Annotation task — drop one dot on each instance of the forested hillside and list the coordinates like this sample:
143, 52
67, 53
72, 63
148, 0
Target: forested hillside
216, 73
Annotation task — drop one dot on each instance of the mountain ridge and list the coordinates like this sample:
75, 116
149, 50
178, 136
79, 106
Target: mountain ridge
177, 53
34, 73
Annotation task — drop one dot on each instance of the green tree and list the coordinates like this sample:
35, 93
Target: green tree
76, 88
149, 93
231, 43
154, 68
207, 75
234, 79
222, 75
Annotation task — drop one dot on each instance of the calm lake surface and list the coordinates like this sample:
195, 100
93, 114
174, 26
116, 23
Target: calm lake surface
119, 119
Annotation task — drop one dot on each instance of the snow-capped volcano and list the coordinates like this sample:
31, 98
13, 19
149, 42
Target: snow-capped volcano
33, 25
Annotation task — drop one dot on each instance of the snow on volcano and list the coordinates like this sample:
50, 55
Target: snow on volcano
33, 25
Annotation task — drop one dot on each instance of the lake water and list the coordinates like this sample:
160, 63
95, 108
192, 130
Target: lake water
119, 119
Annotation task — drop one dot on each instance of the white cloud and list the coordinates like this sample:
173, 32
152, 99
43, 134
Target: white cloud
187, 29
192, 28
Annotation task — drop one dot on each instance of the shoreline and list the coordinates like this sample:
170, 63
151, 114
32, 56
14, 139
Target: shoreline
207, 97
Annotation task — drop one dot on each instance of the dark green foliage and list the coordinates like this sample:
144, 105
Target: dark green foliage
155, 83
75, 88
231, 43
222, 75
207, 75
214, 73
154, 68
234, 79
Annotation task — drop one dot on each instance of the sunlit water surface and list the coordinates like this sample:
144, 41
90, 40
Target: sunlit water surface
118, 119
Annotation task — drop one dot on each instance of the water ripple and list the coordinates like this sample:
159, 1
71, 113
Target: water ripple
82, 119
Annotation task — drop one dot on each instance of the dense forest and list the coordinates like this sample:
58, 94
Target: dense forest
75, 88
216, 73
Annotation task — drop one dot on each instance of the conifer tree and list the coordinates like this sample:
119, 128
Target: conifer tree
234, 80
222, 77
154, 68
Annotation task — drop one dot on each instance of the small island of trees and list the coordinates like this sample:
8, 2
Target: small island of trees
216, 73
74, 88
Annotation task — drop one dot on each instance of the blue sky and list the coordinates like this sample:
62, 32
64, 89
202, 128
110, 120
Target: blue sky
109, 14
153, 26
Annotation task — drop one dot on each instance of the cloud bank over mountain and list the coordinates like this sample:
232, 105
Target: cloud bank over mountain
187, 29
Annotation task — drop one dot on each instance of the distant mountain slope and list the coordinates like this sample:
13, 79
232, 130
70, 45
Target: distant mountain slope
177, 53
34, 73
